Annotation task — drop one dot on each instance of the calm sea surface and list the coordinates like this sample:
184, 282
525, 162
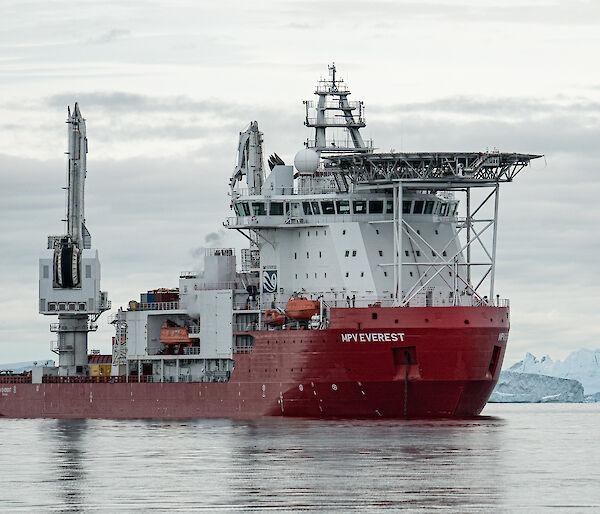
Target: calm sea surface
515, 458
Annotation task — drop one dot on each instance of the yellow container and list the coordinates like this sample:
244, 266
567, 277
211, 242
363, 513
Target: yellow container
100, 370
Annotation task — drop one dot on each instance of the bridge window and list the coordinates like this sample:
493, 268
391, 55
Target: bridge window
406, 207
306, 207
246, 208
444, 209
359, 206
389, 206
258, 209
327, 208
418, 207
453, 209
428, 208
343, 206
315, 207
238, 209
376, 206
276, 209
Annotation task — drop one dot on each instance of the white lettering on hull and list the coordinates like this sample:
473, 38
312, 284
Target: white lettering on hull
4, 391
373, 337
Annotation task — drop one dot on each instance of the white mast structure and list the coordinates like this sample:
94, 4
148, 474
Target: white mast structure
333, 96
69, 283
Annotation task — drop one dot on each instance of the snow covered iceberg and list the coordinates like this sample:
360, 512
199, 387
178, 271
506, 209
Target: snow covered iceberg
516, 387
582, 365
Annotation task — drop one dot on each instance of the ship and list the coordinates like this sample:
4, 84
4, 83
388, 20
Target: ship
365, 289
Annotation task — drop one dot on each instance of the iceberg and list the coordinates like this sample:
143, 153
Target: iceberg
581, 365
516, 387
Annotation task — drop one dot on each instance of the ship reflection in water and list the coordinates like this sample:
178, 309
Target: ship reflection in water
517, 457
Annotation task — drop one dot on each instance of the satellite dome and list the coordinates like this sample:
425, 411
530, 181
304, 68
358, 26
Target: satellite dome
306, 161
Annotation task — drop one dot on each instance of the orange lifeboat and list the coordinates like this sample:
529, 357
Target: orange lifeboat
301, 308
174, 338
274, 318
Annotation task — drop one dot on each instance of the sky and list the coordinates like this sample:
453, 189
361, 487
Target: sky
167, 86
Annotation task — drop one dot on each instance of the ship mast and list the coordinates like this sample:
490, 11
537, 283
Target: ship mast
334, 111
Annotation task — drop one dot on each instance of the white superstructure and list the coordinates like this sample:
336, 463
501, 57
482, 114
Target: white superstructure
349, 225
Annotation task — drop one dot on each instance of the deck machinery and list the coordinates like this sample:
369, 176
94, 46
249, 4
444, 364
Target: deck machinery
69, 269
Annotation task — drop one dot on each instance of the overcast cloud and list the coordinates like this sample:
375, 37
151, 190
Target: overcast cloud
166, 88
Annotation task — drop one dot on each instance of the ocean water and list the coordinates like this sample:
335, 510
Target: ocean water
514, 458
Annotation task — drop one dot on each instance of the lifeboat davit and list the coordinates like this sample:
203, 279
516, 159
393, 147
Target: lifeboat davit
301, 308
274, 318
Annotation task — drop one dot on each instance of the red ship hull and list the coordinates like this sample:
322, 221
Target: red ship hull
371, 363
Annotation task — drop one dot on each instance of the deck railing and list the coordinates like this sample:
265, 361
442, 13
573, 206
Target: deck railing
157, 306
15, 379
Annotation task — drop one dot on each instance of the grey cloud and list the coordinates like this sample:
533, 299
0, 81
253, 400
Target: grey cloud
563, 12
119, 102
511, 107
109, 36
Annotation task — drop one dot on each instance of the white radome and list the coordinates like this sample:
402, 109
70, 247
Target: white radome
306, 161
